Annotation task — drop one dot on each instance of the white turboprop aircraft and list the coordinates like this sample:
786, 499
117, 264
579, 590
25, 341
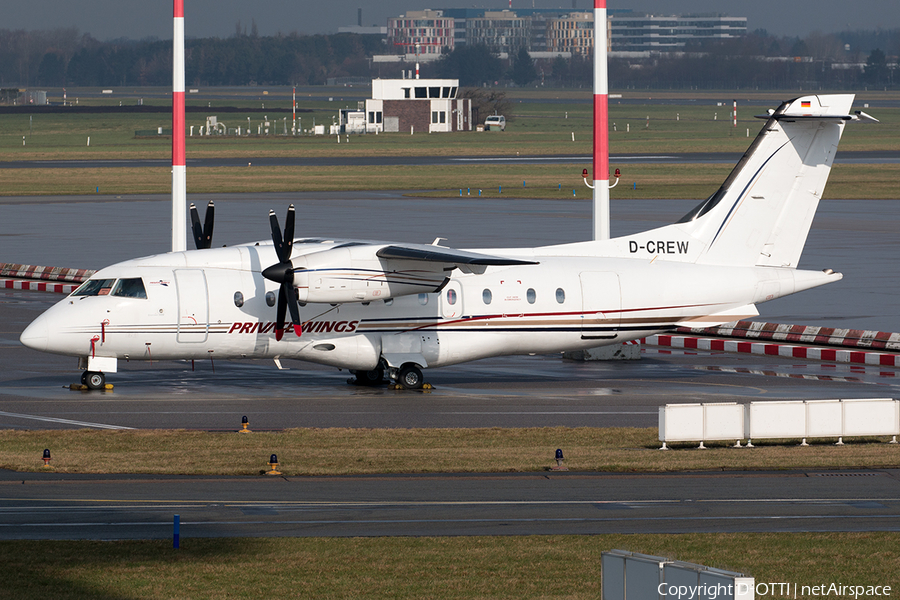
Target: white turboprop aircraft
380, 308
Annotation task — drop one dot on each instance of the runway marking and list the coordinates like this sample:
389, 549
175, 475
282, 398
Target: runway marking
63, 421
325, 504
168, 524
553, 158
595, 412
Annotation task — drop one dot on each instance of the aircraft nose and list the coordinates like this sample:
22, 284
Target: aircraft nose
37, 335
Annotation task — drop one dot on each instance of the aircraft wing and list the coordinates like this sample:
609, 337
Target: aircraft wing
465, 260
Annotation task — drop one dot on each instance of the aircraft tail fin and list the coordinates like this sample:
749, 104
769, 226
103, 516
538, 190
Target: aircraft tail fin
762, 213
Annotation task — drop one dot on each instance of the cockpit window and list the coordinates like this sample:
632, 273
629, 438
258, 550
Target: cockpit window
130, 288
95, 287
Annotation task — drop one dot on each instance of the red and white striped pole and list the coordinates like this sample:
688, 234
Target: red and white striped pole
179, 171
734, 114
601, 125
294, 111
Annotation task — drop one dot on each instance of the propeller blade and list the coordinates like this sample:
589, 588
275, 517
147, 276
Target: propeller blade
276, 236
292, 305
195, 227
208, 223
279, 319
289, 233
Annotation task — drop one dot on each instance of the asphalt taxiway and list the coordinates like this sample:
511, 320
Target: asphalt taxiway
44, 506
514, 391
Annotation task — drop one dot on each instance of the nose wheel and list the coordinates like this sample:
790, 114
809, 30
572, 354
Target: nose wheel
94, 380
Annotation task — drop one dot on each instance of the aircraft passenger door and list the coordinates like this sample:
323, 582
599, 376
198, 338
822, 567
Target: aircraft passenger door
193, 305
601, 301
452, 300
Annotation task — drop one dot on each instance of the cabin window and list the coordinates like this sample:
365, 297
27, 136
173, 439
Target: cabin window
451, 297
270, 298
423, 299
238, 299
130, 288
487, 296
95, 287
560, 295
530, 295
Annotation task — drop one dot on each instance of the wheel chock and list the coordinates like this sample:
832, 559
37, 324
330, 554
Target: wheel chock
80, 387
425, 387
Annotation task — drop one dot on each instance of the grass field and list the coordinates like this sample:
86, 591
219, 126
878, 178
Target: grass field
563, 567
363, 451
536, 127
558, 181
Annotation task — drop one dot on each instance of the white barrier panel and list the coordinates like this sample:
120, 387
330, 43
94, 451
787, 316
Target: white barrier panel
723, 421
632, 576
777, 420
823, 418
879, 416
680, 422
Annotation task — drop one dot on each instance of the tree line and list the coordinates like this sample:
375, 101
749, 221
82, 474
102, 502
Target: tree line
65, 57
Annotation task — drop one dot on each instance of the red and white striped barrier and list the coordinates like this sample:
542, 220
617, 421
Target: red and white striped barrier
802, 334
38, 286
883, 359
46, 273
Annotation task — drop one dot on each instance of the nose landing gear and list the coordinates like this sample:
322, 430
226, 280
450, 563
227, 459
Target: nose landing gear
94, 380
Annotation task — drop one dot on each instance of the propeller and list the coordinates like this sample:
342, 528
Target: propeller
203, 236
283, 272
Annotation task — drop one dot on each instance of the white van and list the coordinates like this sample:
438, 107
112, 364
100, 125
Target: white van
495, 123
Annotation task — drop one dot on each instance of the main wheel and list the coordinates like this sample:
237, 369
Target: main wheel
373, 377
410, 377
95, 380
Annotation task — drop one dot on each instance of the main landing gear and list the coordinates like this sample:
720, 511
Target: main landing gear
93, 380
409, 376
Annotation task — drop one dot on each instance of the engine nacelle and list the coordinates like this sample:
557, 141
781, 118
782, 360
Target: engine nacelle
356, 274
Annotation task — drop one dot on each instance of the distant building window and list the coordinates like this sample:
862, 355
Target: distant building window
442, 116
434, 116
406, 92
421, 92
